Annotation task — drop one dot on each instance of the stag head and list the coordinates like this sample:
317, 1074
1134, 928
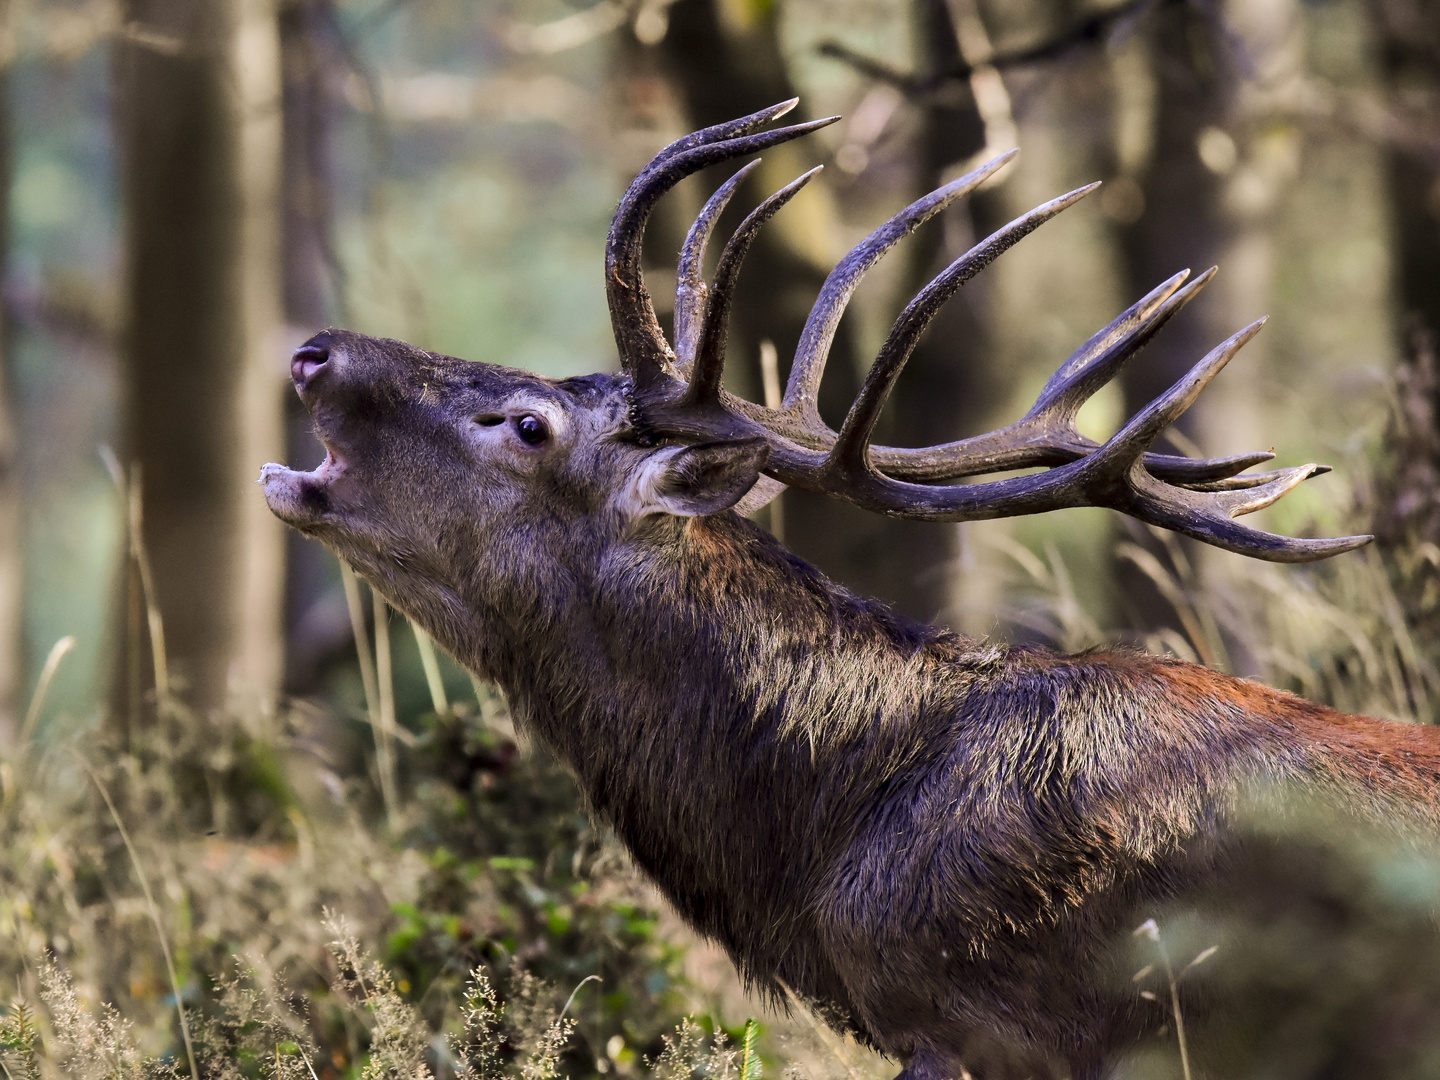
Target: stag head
464, 489
471, 492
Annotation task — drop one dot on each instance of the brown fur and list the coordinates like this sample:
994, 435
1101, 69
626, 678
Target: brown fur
937, 841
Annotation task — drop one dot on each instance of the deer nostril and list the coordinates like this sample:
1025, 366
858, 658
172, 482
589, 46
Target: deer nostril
307, 360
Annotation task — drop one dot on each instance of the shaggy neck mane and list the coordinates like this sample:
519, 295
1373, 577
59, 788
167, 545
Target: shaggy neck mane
707, 672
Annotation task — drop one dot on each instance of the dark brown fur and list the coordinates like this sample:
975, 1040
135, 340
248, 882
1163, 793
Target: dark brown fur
938, 840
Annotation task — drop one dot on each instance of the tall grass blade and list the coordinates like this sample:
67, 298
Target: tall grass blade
356, 607
369, 682
770, 382
827, 1038
42, 687
385, 680
1150, 929
151, 907
570, 1000
141, 591
431, 663
141, 557
1206, 648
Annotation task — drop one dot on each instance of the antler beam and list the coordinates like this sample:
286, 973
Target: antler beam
679, 392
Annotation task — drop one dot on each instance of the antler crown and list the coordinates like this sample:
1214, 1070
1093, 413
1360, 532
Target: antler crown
679, 391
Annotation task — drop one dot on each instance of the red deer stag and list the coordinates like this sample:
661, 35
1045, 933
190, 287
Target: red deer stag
936, 840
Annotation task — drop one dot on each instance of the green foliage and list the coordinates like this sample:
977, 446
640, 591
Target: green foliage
749, 1052
20, 1042
238, 837
689, 1054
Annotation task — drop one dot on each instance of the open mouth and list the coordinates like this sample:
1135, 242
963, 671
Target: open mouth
300, 497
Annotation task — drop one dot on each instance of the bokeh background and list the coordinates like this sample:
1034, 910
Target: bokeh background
196, 188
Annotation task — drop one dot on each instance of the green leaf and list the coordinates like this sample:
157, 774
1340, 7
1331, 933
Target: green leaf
510, 862
749, 1053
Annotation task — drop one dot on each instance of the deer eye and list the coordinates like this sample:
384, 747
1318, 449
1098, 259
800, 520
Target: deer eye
532, 429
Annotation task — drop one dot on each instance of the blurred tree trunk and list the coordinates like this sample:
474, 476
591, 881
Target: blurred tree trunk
311, 66
1407, 510
949, 387
11, 538
1216, 189
1410, 52
1178, 223
725, 61
199, 105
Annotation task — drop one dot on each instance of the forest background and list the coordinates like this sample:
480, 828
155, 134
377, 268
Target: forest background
195, 189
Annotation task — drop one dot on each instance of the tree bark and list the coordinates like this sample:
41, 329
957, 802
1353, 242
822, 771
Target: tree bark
11, 536
199, 102
313, 66
1410, 50
1181, 225
724, 70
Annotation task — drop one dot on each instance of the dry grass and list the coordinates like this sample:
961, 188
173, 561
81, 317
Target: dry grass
181, 880
446, 908
230, 898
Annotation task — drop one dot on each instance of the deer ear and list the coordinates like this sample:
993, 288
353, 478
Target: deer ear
690, 481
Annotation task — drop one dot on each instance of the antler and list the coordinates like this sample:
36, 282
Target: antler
679, 396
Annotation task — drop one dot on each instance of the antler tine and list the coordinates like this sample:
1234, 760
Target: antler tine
1100, 359
1146, 425
1204, 517
644, 353
815, 339
1079, 377
848, 453
710, 357
1097, 362
1240, 483
727, 129
1208, 474
689, 273
1046, 435
1117, 469
1113, 476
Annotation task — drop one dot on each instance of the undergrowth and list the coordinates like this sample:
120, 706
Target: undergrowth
261, 894
191, 898
235, 897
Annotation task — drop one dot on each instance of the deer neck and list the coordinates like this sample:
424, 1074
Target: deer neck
690, 627
706, 672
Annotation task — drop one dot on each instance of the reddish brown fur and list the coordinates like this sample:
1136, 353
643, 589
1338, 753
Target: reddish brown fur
1385, 766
